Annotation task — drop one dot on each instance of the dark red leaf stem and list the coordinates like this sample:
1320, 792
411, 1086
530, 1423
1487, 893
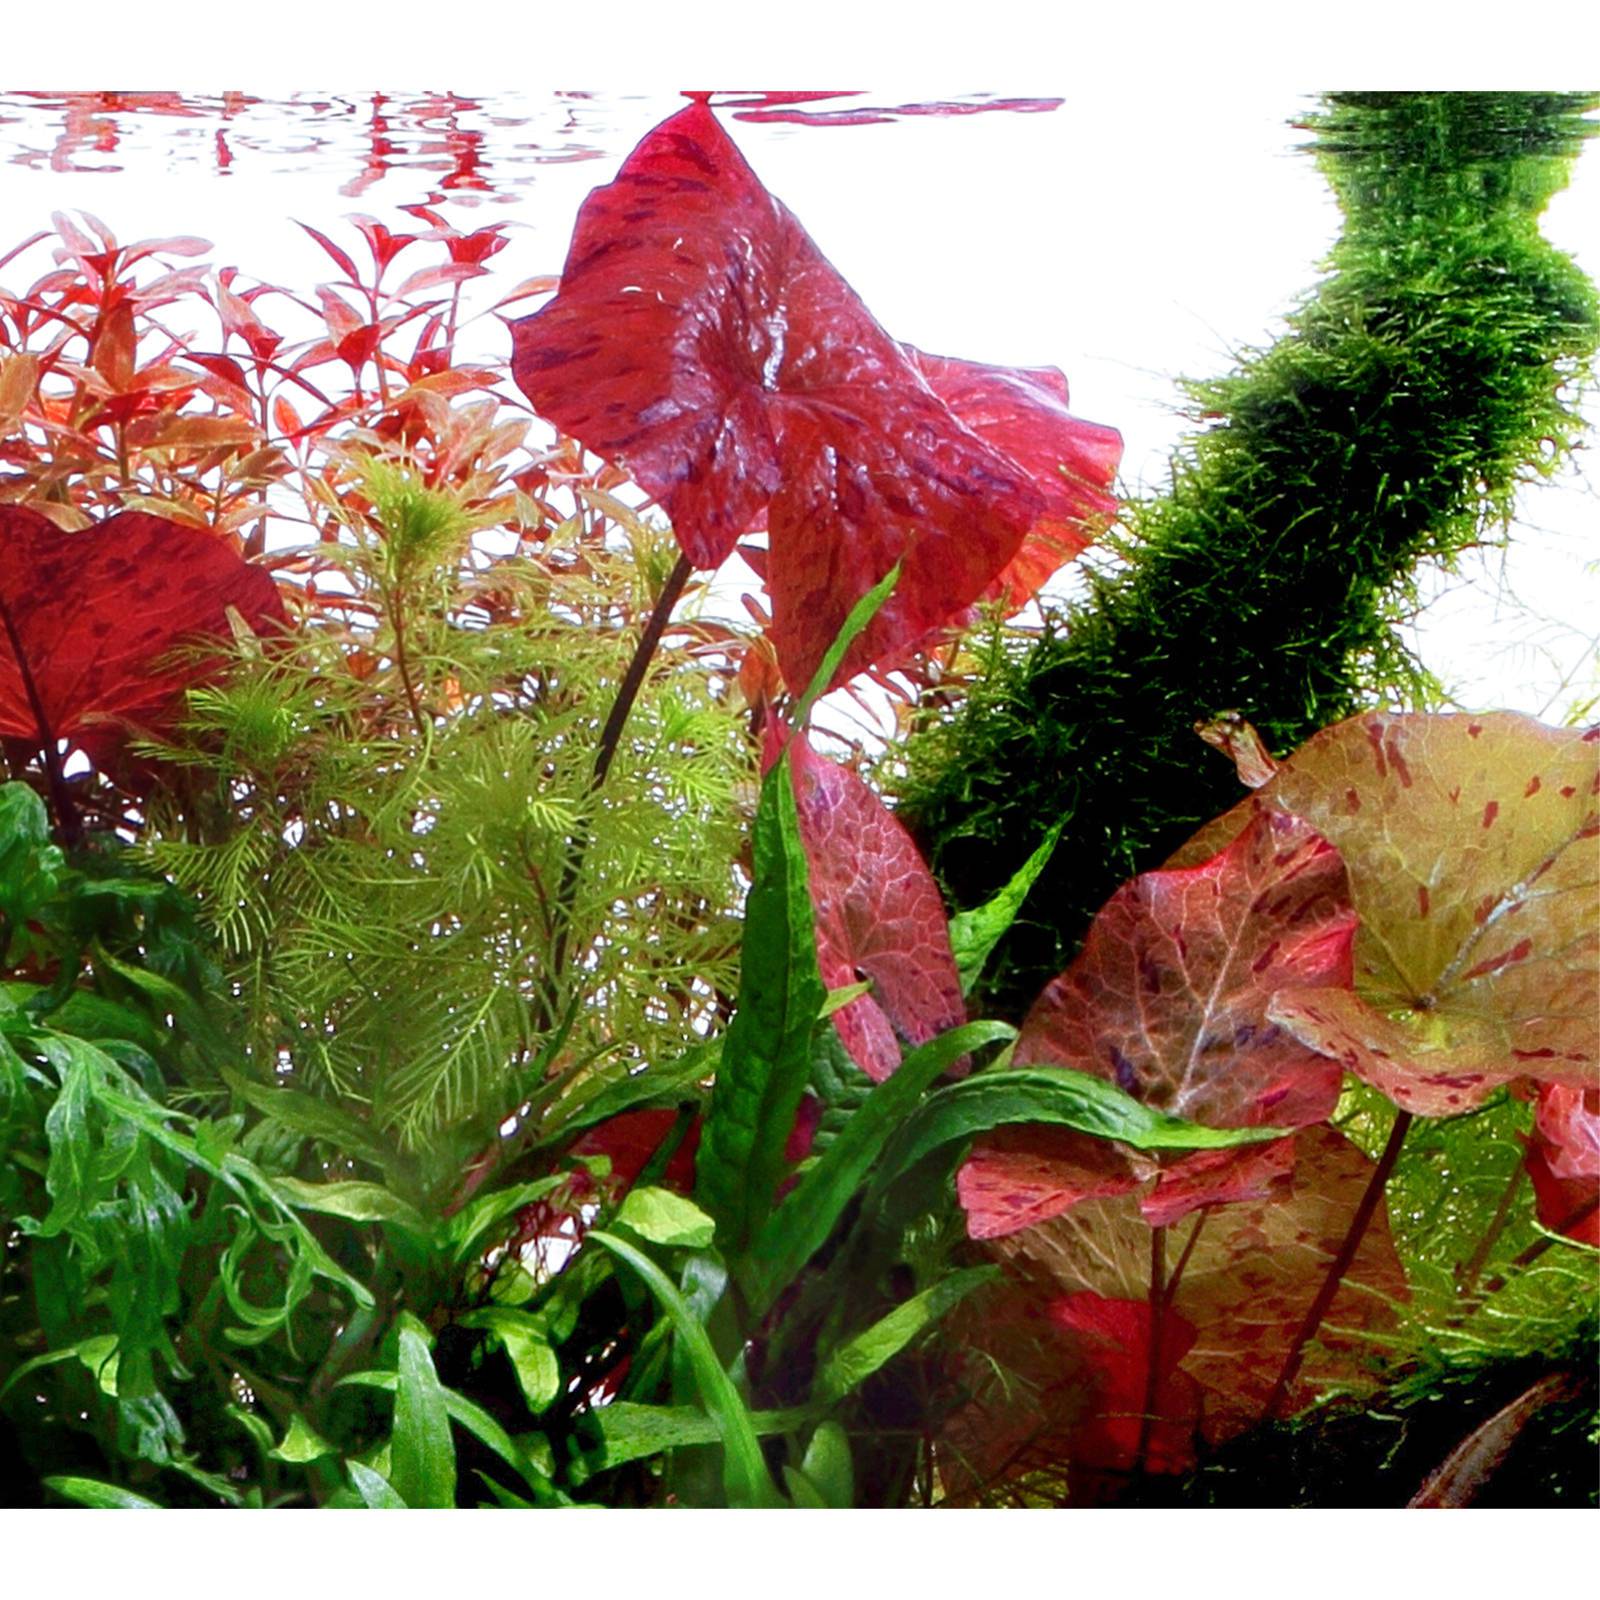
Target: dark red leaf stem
1159, 1300
1341, 1262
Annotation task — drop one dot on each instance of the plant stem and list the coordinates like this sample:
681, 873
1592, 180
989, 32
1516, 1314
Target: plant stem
1341, 1262
1526, 1258
1491, 1236
610, 737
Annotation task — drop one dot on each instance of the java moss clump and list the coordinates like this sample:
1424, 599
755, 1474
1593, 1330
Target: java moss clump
1436, 366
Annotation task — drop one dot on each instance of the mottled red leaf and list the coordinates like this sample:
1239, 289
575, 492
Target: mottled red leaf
1563, 1160
702, 339
86, 619
1473, 847
879, 916
1169, 999
1247, 1282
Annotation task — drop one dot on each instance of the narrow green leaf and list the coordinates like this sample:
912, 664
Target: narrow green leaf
102, 1496
630, 1432
471, 1416
69, 1177
838, 999
827, 1467
423, 1453
301, 1443
462, 1232
802, 1223
856, 1360
319, 1119
861, 613
375, 1490
746, 1480
659, 1216
805, 1494
975, 933
352, 1199
615, 1089
766, 1053
1077, 1100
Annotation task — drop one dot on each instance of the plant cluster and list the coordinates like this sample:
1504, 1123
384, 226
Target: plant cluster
462, 1043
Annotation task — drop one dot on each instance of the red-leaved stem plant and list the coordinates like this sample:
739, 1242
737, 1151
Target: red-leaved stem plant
701, 338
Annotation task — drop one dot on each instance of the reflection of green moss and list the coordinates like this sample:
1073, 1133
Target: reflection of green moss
1417, 384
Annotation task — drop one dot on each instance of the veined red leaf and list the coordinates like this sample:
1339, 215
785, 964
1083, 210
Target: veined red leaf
879, 917
701, 338
1169, 999
1247, 1280
1473, 847
86, 619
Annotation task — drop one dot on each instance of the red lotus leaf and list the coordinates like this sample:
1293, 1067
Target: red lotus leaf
1169, 1000
702, 339
1473, 847
1563, 1161
1249, 1272
879, 916
88, 620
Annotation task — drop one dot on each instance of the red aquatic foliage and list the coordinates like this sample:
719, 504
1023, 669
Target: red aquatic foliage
1563, 1160
702, 339
879, 916
88, 621
1169, 1000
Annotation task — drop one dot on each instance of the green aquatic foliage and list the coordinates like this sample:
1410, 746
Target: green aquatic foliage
1435, 367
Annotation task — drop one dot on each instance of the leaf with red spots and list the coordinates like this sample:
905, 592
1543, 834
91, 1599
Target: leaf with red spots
1473, 847
1169, 999
879, 917
1563, 1161
1246, 1274
702, 339
88, 619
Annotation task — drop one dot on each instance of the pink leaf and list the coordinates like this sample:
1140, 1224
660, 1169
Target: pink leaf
1563, 1160
702, 339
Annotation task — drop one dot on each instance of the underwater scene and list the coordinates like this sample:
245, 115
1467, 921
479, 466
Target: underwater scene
762, 800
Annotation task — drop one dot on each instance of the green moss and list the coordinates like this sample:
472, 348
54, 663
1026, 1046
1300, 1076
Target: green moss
1432, 369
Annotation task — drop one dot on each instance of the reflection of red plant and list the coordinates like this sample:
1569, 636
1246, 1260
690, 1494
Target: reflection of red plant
701, 338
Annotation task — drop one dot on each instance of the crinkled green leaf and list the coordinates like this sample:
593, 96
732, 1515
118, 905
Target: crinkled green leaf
661, 1217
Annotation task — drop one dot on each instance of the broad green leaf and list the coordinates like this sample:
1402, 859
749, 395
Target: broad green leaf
352, 1199
630, 1432
526, 1342
423, 1453
806, 1495
102, 1496
857, 1359
376, 1491
745, 1477
855, 623
975, 933
99, 1355
661, 1217
766, 1050
827, 1469
69, 1178
301, 1443
1070, 1099
802, 1223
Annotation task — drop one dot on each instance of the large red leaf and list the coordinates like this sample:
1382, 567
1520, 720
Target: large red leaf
1473, 847
702, 339
1563, 1161
879, 915
88, 620
1169, 1000
1247, 1282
